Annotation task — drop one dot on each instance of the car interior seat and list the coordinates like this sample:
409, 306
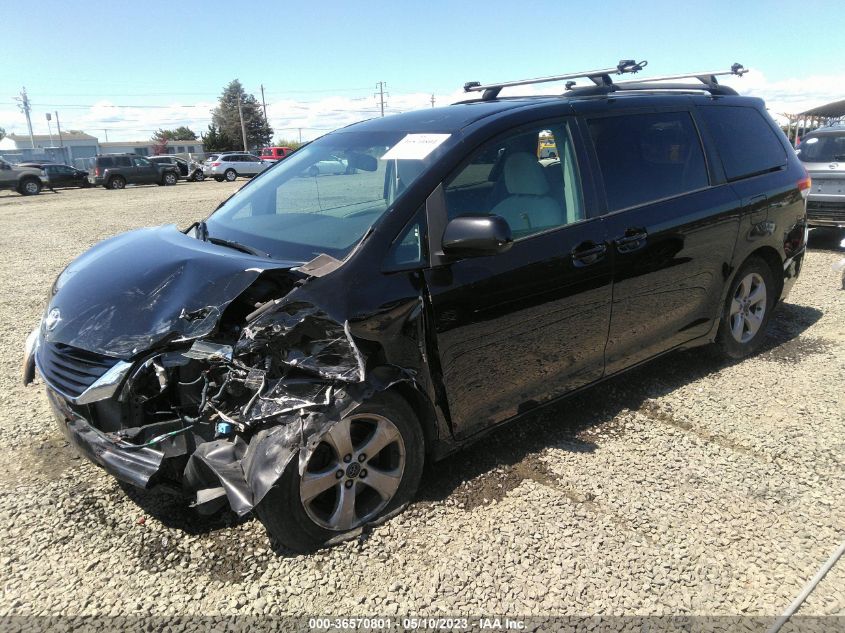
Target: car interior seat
528, 205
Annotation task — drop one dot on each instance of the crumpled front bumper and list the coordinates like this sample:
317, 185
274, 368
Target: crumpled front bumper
136, 466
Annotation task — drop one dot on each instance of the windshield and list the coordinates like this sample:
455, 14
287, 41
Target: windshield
325, 197
825, 148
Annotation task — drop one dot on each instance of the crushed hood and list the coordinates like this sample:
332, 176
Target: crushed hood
134, 291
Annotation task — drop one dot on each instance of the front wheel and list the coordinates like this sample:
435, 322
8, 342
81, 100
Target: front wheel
747, 310
199, 176
367, 466
230, 175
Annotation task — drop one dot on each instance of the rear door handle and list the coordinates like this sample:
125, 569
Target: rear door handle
587, 253
633, 240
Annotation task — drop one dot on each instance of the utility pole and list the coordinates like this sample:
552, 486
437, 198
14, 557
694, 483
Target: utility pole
107, 134
263, 105
243, 127
59, 128
26, 108
49, 128
432, 101
300, 136
381, 94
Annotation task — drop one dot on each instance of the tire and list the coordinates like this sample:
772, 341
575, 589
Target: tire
29, 187
219, 178
117, 182
170, 178
199, 176
313, 171
304, 526
230, 175
747, 310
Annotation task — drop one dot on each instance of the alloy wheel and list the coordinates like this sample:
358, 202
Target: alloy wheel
353, 473
748, 307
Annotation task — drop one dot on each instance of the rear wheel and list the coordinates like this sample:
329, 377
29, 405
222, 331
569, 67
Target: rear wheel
30, 187
230, 175
117, 182
219, 178
747, 310
367, 466
170, 178
199, 176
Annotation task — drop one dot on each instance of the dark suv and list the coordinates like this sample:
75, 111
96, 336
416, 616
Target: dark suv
115, 171
303, 350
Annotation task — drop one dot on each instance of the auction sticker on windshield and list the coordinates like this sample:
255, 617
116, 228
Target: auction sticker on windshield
415, 146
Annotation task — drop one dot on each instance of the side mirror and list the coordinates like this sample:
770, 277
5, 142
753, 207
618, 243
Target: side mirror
476, 236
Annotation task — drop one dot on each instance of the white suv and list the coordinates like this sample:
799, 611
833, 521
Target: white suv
231, 165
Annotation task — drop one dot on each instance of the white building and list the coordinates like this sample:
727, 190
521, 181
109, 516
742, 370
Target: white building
147, 148
71, 146
74, 147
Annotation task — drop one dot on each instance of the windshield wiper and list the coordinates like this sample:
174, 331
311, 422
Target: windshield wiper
236, 245
201, 230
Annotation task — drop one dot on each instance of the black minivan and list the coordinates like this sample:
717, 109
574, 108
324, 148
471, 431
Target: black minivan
303, 350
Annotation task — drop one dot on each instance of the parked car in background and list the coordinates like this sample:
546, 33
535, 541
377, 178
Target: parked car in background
823, 153
189, 170
61, 175
274, 154
230, 165
330, 165
27, 181
115, 171
314, 340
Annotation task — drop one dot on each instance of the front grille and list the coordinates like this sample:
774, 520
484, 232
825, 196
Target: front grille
71, 370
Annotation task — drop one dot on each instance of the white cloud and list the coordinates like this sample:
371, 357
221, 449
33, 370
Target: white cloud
789, 96
317, 117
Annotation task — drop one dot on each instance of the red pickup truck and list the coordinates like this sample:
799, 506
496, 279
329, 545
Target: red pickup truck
275, 153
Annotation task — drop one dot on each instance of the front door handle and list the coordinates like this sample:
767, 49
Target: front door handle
633, 240
587, 253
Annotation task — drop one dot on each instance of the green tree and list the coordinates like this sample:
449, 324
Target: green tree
2, 133
216, 140
286, 142
227, 120
181, 133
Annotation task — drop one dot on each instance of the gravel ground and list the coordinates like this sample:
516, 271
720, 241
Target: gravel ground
688, 486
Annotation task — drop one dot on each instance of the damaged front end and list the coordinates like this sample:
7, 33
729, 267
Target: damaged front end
220, 408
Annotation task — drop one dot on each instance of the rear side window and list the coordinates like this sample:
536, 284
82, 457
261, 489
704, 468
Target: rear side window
106, 161
122, 161
647, 157
747, 143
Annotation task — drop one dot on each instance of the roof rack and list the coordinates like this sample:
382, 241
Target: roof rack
600, 77
707, 83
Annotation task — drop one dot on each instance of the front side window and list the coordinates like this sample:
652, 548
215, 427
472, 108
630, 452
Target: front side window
301, 209
747, 144
140, 162
648, 157
518, 178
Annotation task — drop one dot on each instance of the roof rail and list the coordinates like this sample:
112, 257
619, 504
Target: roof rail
707, 79
600, 77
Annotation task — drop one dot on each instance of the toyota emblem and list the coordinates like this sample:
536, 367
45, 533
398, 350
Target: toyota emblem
52, 320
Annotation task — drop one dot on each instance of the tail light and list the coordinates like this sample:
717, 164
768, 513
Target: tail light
804, 184
97, 171
215, 164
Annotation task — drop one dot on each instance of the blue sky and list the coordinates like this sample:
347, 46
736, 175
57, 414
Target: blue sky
319, 62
